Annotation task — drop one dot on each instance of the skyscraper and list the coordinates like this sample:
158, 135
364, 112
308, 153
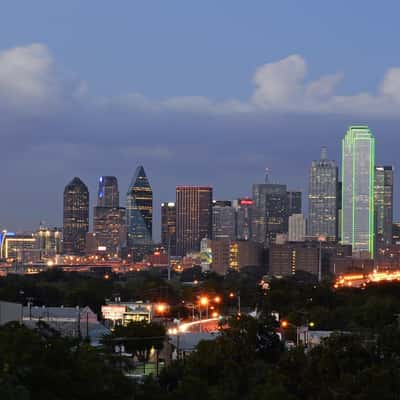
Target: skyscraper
108, 218
223, 221
243, 208
358, 184
193, 217
76, 217
168, 227
108, 194
139, 210
323, 198
383, 205
294, 202
270, 212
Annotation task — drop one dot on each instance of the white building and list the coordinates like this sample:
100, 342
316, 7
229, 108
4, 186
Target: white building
297, 228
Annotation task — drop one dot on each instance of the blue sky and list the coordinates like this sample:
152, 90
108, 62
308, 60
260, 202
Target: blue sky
199, 92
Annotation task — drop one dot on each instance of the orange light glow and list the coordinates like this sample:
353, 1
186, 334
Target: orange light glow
161, 308
217, 299
284, 324
362, 280
204, 301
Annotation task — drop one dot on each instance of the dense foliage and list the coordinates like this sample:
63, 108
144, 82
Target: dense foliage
247, 361
35, 366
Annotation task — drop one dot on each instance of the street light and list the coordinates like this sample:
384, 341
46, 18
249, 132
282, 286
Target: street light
232, 295
286, 324
161, 308
204, 302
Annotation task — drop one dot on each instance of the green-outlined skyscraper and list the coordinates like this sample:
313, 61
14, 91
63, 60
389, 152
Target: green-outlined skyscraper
358, 182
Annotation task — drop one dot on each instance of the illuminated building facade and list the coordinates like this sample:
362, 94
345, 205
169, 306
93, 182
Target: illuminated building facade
323, 198
294, 202
49, 242
383, 205
109, 231
108, 194
358, 184
396, 233
223, 221
243, 208
139, 210
297, 228
270, 212
235, 255
168, 227
19, 248
76, 217
193, 217
289, 258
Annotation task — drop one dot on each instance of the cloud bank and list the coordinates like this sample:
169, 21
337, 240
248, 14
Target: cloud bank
31, 81
53, 128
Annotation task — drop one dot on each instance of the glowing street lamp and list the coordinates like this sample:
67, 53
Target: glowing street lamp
161, 308
284, 324
204, 301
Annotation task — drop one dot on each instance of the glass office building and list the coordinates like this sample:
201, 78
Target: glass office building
383, 205
193, 217
270, 212
139, 210
323, 198
108, 194
76, 217
358, 184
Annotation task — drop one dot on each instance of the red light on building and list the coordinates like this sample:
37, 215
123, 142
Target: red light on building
246, 202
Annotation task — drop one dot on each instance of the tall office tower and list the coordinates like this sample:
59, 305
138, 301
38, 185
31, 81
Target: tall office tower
323, 198
294, 202
139, 210
297, 228
339, 211
270, 212
108, 194
168, 227
109, 230
108, 218
383, 205
193, 217
223, 220
243, 208
76, 217
358, 184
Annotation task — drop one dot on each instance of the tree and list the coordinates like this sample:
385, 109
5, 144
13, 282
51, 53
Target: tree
139, 338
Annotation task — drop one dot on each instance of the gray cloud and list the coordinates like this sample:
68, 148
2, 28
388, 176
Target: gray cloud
52, 128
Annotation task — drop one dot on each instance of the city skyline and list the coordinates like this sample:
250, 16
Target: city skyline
206, 104
156, 234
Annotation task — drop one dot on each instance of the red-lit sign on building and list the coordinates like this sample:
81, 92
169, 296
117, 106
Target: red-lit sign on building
246, 202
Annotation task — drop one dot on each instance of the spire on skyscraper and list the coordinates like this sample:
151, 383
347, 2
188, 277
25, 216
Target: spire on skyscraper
324, 153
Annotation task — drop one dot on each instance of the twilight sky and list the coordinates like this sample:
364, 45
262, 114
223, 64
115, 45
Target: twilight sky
199, 92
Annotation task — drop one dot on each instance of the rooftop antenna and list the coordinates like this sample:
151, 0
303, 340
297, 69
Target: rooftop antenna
267, 175
324, 153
